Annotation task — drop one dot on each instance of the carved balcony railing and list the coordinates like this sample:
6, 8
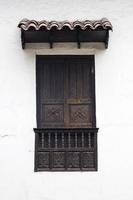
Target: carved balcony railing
66, 149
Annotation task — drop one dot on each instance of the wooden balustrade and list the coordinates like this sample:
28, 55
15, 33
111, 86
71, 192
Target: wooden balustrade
66, 149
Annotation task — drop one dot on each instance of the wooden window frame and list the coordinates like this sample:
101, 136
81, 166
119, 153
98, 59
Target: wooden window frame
44, 155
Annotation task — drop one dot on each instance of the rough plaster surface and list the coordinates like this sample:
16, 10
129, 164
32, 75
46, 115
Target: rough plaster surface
114, 97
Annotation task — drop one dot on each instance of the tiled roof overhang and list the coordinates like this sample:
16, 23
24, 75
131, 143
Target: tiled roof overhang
77, 31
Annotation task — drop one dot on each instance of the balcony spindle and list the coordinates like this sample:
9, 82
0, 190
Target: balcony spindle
89, 140
42, 140
82, 139
69, 140
76, 140
62, 137
56, 140
49, 140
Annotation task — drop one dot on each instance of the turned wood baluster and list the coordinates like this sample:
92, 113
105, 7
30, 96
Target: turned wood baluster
76, 140
62, 137
56, 145
49, 140
89, 140
42, 140
69, 140
82, 139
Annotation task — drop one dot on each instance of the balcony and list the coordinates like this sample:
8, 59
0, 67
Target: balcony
66, 149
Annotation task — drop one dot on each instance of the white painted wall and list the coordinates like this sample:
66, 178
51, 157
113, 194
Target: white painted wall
114, 95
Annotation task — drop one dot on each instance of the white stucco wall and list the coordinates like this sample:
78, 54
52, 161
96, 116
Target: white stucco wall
114, 97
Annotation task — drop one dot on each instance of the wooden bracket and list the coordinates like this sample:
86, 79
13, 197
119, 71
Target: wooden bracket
50, 40
78, 40
22, 39
106, 39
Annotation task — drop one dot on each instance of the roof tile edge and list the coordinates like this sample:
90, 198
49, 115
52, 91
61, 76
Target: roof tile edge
104, 23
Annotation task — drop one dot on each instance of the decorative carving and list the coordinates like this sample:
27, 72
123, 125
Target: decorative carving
43, 160
88, 160
53, 113
59, 160
104, 23
79, 113
73, 160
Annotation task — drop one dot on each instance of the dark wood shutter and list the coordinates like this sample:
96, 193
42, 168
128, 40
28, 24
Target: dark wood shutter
50, 92
65, 91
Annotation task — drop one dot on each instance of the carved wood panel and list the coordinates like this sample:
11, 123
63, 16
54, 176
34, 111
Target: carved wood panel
66, 160
79, 113
88, 160
59, 160
73, 160
52, 113
43, 160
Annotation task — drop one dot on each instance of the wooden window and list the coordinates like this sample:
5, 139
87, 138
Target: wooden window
66, 134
